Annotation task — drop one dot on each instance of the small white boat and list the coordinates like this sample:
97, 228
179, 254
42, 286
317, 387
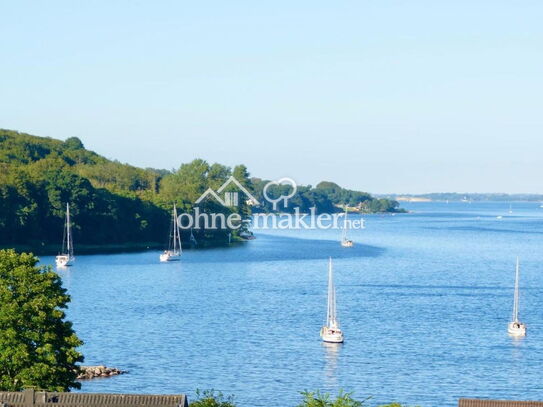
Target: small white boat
331, 332
174, 250
345, 242
247, 235
515, 327
66, 256
499, 217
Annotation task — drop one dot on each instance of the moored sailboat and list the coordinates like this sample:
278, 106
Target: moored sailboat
515, 327
173, 253
331, 332
345, 242
66, 255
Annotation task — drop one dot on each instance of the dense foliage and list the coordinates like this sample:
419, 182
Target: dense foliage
318, 399
40, 175
326, 197
37, 344
111, 203
211, 398
119, 204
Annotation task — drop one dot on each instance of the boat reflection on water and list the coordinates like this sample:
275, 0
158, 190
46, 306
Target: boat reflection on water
331, 356
65, 274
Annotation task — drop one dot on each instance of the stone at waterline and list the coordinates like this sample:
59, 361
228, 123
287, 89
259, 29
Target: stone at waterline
93, 372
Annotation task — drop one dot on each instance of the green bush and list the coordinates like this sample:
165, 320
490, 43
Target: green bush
393, 405
210, 398
317, 399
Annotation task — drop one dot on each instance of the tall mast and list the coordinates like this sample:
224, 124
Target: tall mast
516, 298
176, 234
69, 247
345, 225
331, 311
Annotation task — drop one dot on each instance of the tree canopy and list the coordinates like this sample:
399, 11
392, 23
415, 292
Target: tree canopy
38, 347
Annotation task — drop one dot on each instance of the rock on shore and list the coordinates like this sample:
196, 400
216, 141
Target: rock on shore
93, 372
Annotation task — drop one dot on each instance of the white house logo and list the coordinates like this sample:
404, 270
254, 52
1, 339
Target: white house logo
230, 199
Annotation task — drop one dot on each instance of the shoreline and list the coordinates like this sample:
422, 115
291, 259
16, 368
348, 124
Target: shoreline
84, 249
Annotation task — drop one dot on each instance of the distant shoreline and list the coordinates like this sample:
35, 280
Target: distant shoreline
457, 197
426, 200
53, 250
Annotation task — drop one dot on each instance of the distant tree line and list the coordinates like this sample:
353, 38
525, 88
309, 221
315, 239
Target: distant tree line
326, 197
119, 204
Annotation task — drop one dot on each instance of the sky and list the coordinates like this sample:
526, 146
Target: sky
381, 96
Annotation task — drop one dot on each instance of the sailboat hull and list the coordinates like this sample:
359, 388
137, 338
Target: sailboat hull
516, 329
331, 335
64, 260
169, 256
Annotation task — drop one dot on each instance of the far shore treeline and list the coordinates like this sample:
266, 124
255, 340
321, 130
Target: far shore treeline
117, 206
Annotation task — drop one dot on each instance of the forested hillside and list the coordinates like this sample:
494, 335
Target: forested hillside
111, 203
119, 205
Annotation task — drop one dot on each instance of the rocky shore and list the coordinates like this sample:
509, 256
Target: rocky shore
93, 372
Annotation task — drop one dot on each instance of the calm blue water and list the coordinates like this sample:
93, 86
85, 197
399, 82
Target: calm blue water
424, 300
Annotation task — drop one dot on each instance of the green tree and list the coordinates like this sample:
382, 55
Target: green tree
37, 345
211, 398
74, 143
318, 399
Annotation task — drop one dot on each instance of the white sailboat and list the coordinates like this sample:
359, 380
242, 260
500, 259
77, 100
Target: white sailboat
331, 331
174, 250
345, 242
515, 327
66, 255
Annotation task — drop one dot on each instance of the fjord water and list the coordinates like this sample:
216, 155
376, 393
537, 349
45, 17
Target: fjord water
423, 298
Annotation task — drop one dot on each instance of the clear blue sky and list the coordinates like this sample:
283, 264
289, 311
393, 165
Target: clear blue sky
383, 96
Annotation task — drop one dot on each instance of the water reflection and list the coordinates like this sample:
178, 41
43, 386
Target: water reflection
331, 356
66, 276
517, 342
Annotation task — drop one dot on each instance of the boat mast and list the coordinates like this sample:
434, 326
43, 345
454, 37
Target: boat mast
69, 245
176, 234
516, 298
345, 225
331, 311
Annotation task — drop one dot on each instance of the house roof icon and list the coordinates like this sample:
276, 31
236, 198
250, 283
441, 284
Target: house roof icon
231, 179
